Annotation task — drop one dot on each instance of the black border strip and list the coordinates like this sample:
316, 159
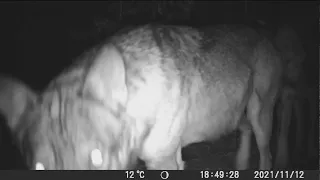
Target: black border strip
154, 175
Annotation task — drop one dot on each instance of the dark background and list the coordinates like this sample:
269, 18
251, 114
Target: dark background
39, 39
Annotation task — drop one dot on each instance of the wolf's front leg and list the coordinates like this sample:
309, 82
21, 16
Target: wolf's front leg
161, 150
164, 161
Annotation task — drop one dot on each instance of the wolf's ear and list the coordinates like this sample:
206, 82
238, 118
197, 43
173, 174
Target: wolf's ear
106, 78
15, 98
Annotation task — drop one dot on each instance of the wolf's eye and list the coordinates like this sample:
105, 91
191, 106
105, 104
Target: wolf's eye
39, 166
96, 157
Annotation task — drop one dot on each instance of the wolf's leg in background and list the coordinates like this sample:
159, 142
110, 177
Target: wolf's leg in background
284, 118
260, 115
243, 154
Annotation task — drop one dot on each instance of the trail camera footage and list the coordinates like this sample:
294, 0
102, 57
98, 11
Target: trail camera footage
159, 85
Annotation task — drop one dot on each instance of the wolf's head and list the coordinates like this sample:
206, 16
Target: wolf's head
73, 124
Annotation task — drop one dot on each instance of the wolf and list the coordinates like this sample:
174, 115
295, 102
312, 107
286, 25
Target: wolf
293, 92
146, 93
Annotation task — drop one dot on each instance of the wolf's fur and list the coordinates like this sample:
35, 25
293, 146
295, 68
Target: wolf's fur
154, 89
